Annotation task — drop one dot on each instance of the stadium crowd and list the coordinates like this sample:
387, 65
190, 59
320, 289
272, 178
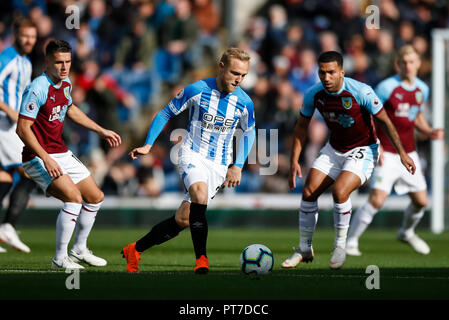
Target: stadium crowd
132, 56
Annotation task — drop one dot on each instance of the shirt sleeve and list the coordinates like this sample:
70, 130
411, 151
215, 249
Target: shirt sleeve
308, 107
248, 120
34, 97
369, 99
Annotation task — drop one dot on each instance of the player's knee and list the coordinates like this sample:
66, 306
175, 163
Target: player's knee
420, 204
94, 198
340, 195
308, 195
198, 194
376, 202
182, 221
74, 197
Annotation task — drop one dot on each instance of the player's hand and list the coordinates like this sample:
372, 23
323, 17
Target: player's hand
52, 167
437, 134
140, 151
295, 171
408, 163
233, 177
111, 137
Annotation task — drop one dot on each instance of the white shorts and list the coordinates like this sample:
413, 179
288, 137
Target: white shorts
69, 164
10, 148
360, 161
393, 174
193, 168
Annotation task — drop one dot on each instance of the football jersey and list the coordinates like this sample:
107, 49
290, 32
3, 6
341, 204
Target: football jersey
347, 113
213, 118
403, 104
46, 104
15, 76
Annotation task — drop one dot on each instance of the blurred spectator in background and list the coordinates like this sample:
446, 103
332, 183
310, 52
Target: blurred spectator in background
132, 56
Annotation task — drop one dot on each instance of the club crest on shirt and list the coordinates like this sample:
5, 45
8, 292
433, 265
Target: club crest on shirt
419, 97
67, 92
346, 102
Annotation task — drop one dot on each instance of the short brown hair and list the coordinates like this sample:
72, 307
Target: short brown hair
22, 23
235, 53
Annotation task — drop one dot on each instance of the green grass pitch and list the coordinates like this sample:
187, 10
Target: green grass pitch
167, 270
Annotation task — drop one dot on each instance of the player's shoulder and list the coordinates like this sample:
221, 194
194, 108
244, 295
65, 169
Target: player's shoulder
41, 82
7, 55
313, 90
421, 85
356, 87
243, 96
389, 83
194, 89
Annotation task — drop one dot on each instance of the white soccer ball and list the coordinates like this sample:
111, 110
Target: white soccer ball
256, 259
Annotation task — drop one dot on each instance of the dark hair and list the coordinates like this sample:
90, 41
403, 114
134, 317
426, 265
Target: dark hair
22, 23
57, 46
330, 56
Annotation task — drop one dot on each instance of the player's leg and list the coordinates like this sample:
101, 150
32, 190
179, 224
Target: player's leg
5, 186
65, 190
316, 183
198, 192
362, 218
18, 201
412, 216
160, 233
92, 200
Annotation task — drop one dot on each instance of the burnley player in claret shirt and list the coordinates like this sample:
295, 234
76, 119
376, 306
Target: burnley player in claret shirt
346, 161
45, 104
404, 96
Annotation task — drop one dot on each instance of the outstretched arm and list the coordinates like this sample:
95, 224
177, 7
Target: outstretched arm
299, 139
79, 117
393, 135
155, 129
423, 126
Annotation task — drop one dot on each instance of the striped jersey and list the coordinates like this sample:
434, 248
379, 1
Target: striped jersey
347, 113
213, 118
15, 75
46, 104
403, 104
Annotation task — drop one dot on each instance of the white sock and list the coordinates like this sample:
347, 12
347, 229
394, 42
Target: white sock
342, 217
308, 217
85, 223
412, 216
361, 219
65, 224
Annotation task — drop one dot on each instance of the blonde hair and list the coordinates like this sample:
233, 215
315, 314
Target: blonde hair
234, 53
407, 49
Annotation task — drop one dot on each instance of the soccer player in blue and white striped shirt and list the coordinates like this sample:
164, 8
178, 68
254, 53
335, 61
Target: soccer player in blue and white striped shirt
15, 76
216, 105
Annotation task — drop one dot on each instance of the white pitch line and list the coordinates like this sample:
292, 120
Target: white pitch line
237, 274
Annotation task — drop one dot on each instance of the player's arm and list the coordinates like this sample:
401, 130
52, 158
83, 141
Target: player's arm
393, 135
28, 137
423, 126
11, 113
299, 138
155, 129
79, 117
177, 105
234, 174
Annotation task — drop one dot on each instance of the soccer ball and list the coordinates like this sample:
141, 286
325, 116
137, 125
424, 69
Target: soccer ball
256, 259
